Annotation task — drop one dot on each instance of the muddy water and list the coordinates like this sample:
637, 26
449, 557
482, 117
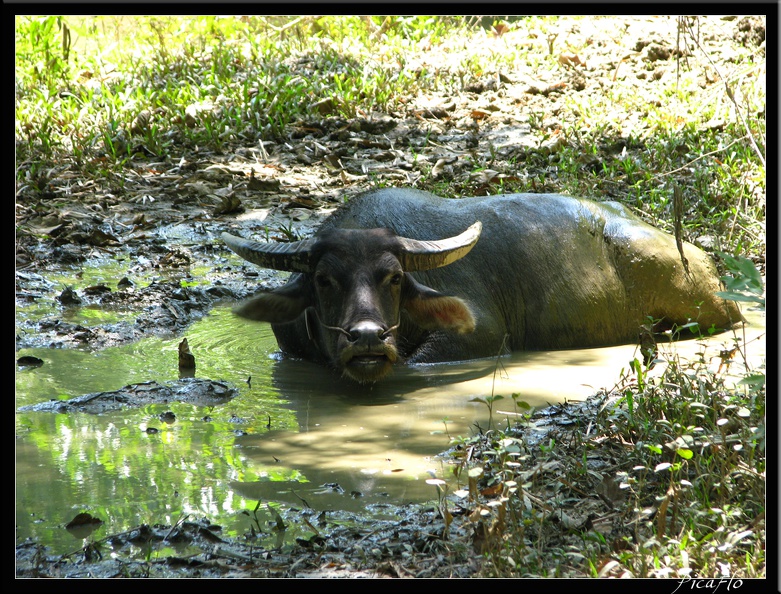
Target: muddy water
295, 436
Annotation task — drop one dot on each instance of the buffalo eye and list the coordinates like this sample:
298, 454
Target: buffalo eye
322, 281
395, 279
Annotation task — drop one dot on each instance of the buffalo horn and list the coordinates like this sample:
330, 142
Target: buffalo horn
293, 257
425, 255
296, 256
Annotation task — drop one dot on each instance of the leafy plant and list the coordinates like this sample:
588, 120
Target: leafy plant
744, 283
489, 403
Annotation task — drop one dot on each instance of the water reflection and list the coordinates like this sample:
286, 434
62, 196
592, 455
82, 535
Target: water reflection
298, 380
297, 434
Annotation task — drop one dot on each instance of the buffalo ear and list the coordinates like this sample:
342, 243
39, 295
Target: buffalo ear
277, 306
432, 310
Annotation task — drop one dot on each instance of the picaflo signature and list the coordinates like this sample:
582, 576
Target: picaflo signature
711, 584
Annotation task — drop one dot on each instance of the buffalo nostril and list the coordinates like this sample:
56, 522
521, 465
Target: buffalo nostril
365, 331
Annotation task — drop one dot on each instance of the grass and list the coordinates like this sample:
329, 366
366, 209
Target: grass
100, 93
202, 81
664, 478
684, 492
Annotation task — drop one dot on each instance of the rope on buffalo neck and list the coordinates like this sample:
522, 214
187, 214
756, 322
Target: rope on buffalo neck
383, 335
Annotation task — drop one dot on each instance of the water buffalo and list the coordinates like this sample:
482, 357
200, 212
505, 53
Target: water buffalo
378, 284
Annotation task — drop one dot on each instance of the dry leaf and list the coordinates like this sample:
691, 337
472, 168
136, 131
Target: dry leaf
332, 161
610, 491
435, 112
567, 59
324, 106
492, 490
51, 231
486, 176
439, 168
553, 144
100, 238
227, 205
262, 185
141, 123
303, 202
500, 29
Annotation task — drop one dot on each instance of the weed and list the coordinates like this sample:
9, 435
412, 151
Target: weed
688, 491
489, 403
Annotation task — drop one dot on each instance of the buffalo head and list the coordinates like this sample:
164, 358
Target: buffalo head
353, 296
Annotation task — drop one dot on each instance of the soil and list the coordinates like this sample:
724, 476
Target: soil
162, 218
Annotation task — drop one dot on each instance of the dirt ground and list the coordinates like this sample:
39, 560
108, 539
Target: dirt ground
166, 215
